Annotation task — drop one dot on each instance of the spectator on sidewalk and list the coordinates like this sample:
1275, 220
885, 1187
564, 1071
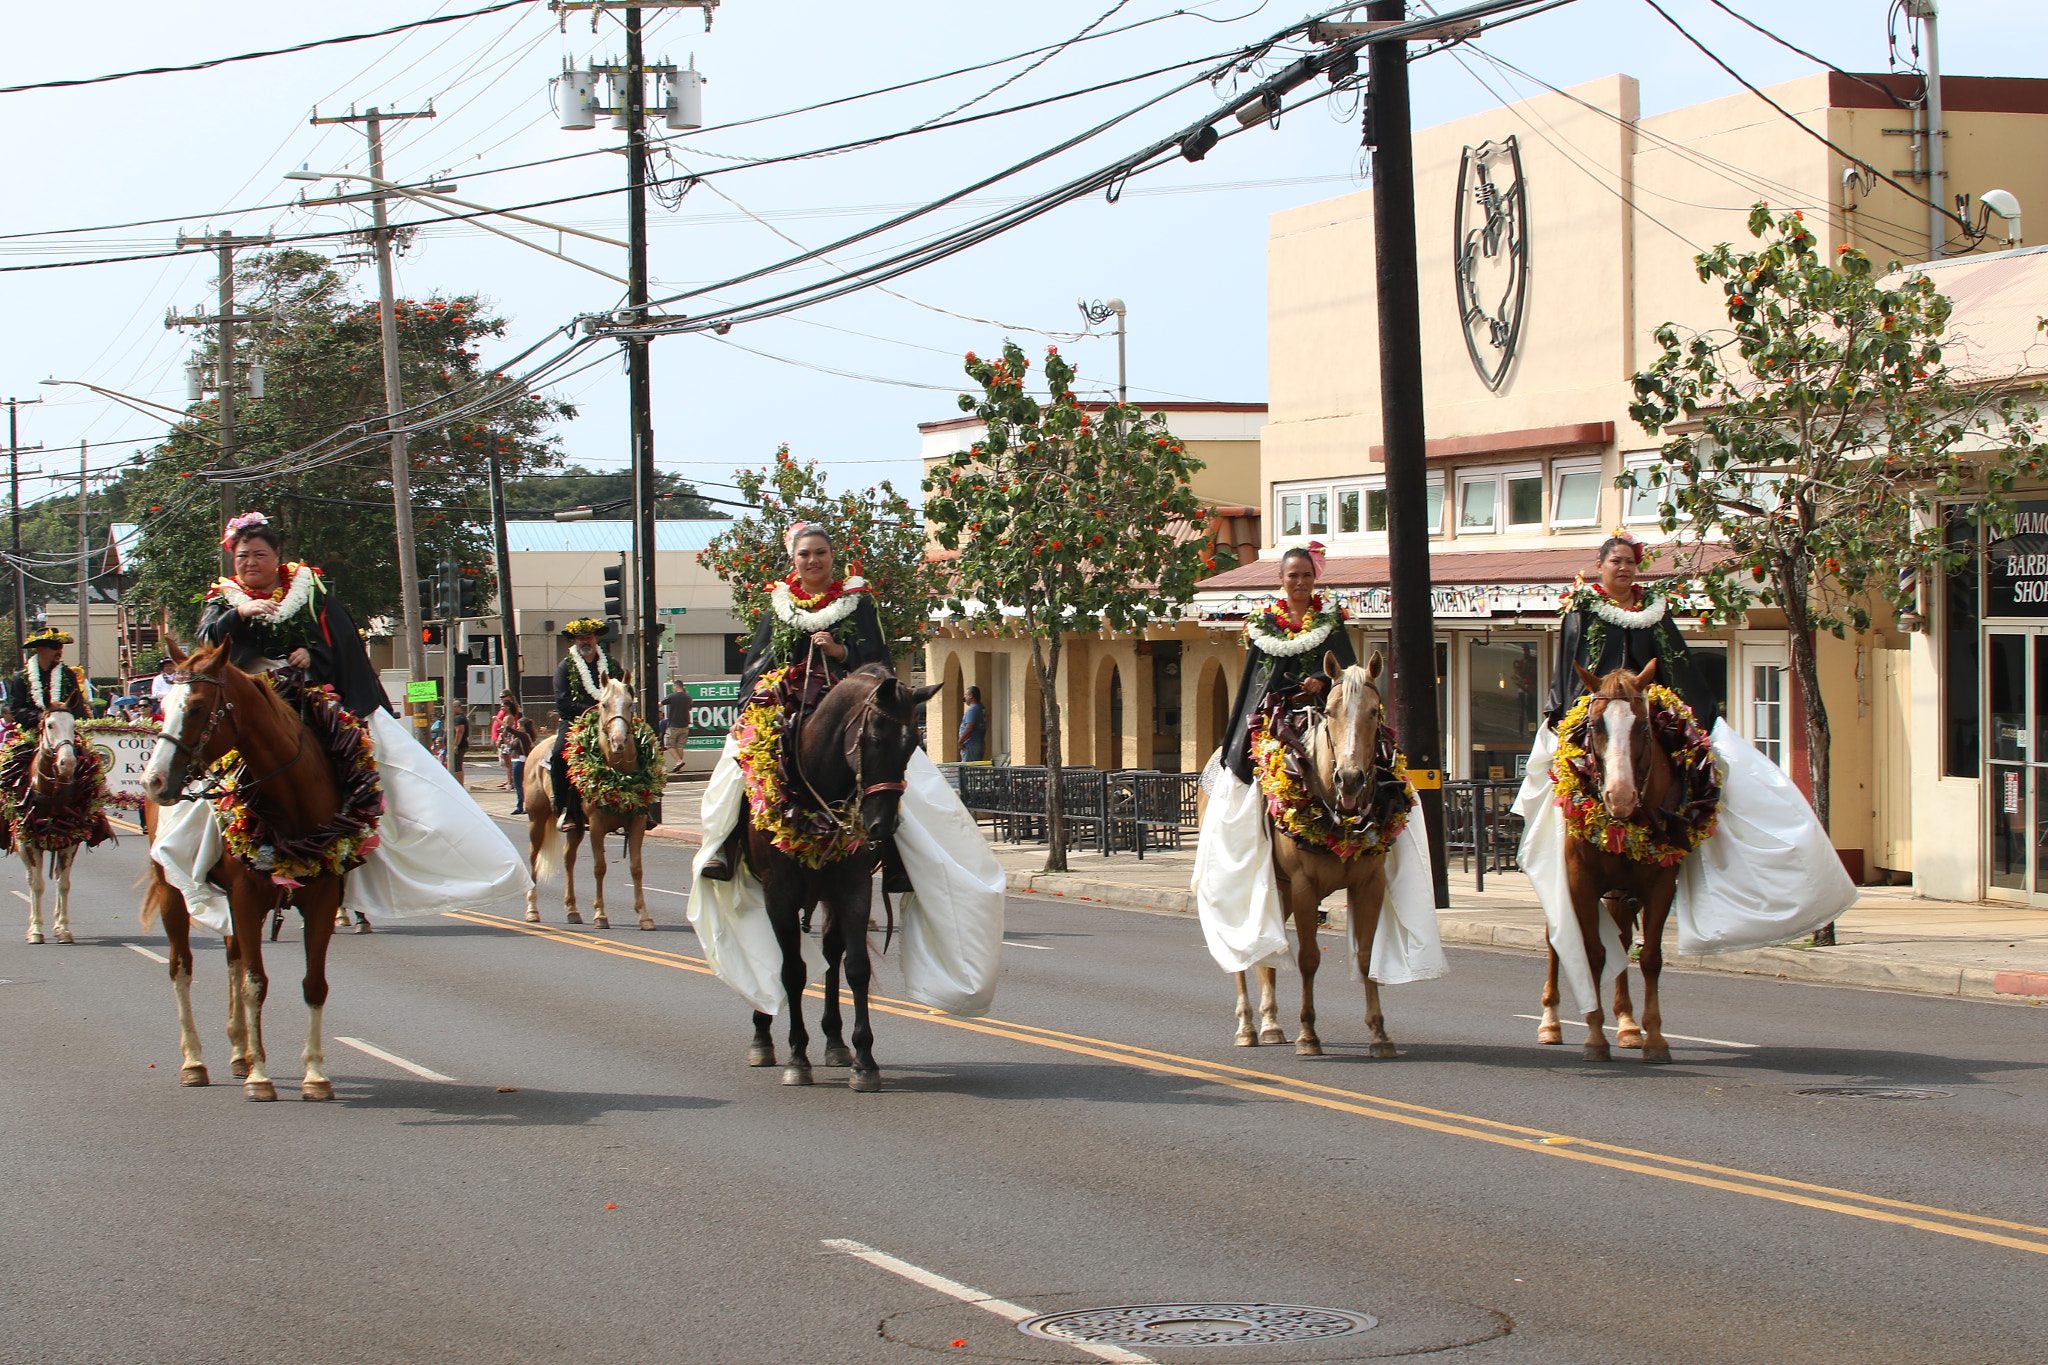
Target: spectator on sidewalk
513, 734
973, 728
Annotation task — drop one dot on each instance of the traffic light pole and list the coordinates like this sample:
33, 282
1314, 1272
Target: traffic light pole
639, 383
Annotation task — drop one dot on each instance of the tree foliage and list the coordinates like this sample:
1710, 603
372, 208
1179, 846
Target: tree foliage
1812, 439
1068, 521
324, 364
875, 533
538, 497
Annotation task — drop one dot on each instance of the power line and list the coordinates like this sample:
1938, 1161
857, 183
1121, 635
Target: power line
254, 56
1818, 61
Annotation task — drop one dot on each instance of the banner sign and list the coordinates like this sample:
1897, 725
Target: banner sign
2016, 568
714, 707
124, 752
423, 691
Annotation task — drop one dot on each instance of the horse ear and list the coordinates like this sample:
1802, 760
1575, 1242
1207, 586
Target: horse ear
1374, 666
1331, 668
1587, 676
925, 694
171, 645
1648, 675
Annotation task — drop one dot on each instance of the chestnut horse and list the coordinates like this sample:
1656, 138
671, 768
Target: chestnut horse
1341, 743
53, 786
615, 730
856, 744
1637, 777
212, 708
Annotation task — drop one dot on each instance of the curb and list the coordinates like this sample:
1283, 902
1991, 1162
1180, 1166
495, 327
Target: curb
1814, 966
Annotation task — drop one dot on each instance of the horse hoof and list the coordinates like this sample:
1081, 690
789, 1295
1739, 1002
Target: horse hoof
259, 1090
647, 923
1629, 1038
316, 1090
1657, 1056
1596, 1052
1385, 1051
1307, 1047
195, 1074
64, 936
1552, 1034
363, 926
1246, 1040
866, 1082
1271, 1035
575, 918
600, 922
35, 938
796, 1075
533, 917
240, 1066
838, 1056
760, 1054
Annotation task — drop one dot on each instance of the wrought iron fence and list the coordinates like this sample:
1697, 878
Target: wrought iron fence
1481, 828
1121, 811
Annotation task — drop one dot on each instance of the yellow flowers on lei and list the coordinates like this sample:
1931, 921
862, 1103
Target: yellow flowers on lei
1585, 814
759, 738
336, 846
1366, 833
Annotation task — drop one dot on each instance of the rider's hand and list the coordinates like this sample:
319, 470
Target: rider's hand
1312, 686
256, 606
299, 658
822, 639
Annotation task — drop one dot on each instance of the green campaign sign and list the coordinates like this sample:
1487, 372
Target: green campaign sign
423, 691
714, 707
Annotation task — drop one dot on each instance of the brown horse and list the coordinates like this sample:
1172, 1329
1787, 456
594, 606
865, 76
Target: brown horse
1341, 744
290, 783
54, 789
544, 836
1637, 777
856, 744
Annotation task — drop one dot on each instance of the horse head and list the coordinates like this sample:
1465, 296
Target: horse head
192, 735
1618, 734
1350, 732
615, 726
60, 743
881, 747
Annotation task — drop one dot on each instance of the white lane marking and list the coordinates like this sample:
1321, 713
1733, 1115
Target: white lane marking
1683, 1037
666, 892
1039, 947
153, 957
1002, 1308
24, 896
414, 1067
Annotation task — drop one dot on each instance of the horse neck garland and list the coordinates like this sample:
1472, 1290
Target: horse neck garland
813, 838
332, 848
1662, 837
623, 794
1279, 763
43, 822
1268, 631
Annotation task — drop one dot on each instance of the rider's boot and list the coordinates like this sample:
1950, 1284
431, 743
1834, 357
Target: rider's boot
568, 803
720, 868
895, 880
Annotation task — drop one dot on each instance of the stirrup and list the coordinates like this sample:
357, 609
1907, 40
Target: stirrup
568, 823
897, 883
718, 870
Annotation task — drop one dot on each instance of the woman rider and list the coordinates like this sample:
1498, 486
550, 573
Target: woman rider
1767, 874
1286, 643
821, 628
435, 850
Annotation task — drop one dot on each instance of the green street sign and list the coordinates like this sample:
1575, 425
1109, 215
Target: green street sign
423, 691
714, 707
671, 611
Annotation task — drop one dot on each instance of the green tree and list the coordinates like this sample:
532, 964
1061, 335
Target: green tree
538, 497
1812, 438
325, 372
875, 531
1066, 521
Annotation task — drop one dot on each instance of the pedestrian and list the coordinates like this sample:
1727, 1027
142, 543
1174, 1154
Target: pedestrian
160, 686
675, 719
461, 739
973, 728
513, 734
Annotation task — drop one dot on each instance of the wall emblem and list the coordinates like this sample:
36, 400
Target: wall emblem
1492, 256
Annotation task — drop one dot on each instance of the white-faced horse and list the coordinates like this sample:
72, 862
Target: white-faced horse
53, 817
619, 740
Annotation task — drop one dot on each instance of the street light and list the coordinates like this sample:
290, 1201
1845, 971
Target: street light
141, 405
1102, 311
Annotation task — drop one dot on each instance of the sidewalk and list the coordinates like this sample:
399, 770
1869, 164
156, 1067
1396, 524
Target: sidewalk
1890, 940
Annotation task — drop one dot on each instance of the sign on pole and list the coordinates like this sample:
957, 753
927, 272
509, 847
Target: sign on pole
714, 707
429, 690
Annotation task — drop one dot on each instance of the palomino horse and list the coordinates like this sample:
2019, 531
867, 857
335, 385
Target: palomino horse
213, 708
1341, 743
54, 789
544, 837
1637, 777
855, 745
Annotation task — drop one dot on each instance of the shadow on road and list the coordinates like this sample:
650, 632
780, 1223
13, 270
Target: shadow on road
439, 1105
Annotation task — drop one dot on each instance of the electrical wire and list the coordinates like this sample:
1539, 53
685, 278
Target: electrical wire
1818, 61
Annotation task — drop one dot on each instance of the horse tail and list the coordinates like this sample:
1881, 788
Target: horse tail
549, 860
157, 893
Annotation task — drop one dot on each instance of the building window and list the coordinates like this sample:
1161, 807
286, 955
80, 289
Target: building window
1318, 513
1347, 512
1576, 496
1491, 500
1476, 512
1767, 700
1375, 509
1290, 514
1645, 503
1525, 500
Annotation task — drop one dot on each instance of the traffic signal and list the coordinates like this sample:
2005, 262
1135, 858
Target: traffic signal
468, 595
430, 635
447, 598
615, 589
427, 599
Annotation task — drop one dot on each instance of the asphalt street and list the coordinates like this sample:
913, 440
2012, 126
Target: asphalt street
599, 1177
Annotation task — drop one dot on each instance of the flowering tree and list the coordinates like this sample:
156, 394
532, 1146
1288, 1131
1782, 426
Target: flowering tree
875, 532
1815, 434
1065, 520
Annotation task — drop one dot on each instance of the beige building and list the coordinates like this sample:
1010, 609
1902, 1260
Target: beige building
1555, 237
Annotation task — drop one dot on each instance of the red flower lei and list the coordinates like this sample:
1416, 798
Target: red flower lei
833, 592
1278, 615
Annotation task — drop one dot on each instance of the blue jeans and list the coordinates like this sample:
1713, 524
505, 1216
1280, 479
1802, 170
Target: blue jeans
518, 785
973, 750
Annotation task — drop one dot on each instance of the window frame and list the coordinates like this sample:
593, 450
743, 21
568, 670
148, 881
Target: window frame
1594, 465
1333, 492
1498, 475
1645, 459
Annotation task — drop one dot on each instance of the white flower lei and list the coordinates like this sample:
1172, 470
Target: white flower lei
790, 614
1608, 611
35, 683
295, 598
1286, 647
604, 666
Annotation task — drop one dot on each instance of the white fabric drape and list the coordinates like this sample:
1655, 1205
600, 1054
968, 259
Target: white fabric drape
1237, 895
436, 849
1768, 874
951, 925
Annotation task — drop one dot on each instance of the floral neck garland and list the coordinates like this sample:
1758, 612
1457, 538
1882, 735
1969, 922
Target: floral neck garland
1603, 611
1654, 836
1365, 833
621, 794
333, 848
591, 687
839, 601
65, 673
1267, 629
810, 837
65, 819
297, 583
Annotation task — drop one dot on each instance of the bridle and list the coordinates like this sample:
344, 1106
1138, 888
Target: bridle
194, 750
53, 750
1322, 740
1639, 763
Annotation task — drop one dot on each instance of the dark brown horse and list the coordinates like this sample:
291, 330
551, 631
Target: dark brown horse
1637, 777
856, 744
291, 784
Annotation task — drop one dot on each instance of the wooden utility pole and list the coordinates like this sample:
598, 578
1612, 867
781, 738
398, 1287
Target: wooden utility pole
225, 382
508, 617
1412, 633
14, 449
639, 381
84, 574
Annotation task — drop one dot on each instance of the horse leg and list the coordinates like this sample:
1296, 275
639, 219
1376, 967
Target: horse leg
248, 922
1655, 1050
571, 841
761, 1052
1371, 894
1247, 1036
32, 859
1269, 1007
178, 933
1309, 956
319, 932
852, 911
61, 923
598, 829
1550, 1030
536, 838
238, 1014
1596, 1049
1626, 1034
789, 937
636, 835
830, 1022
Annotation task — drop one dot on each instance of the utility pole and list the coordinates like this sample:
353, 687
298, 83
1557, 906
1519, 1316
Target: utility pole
84, 574
1928, 13
508, 629
14, 449
373, 122
225, 244
639, 383
1412, 634
1103, 312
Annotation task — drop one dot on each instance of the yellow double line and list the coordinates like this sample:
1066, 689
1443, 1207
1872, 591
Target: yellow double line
1535, 1141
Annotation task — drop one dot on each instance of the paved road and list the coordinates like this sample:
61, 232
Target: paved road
640, 1195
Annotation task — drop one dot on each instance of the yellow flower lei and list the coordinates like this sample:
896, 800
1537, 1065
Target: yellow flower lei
759, 737
1301, 817
1585, 814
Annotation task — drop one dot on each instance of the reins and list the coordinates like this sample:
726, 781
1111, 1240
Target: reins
213, 785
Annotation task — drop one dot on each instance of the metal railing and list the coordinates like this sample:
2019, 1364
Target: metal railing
1125, 810
1481, 828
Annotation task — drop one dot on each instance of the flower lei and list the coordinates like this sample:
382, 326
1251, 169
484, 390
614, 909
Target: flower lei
64, 672
1660, 839
298, 583
796, 617
1267, 630
759, 738
1604, 611
44, 824
604, 666
605, 787
335, 847
1365, 833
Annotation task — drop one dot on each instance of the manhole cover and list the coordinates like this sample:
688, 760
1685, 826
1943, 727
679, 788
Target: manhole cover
1197, 1324
1874, 1092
